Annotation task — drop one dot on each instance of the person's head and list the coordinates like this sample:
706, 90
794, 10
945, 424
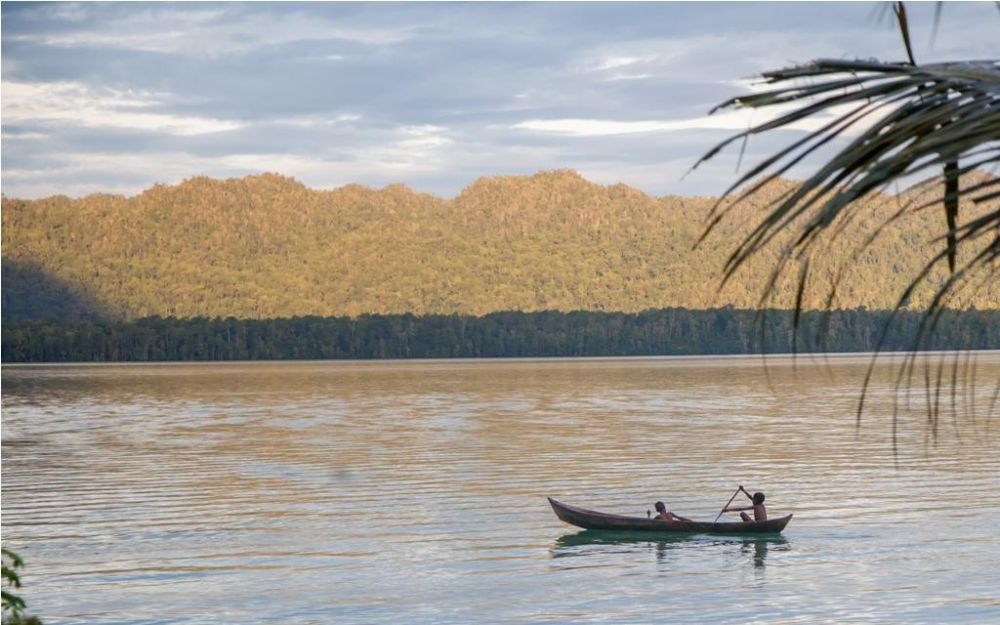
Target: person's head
758, 498
660, 507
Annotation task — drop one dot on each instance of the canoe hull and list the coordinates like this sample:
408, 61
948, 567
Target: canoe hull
593, 520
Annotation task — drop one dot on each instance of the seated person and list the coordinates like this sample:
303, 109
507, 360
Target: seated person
759, 511
664, 515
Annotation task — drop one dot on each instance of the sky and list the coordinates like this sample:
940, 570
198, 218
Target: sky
115, 97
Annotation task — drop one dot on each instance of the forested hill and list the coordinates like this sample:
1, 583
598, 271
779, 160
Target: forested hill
266, 246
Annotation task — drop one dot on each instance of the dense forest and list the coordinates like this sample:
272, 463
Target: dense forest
266, 247
502, 334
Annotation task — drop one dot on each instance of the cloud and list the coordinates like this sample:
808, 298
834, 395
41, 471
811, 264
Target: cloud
118, 96
615, 77
616, 62
56, 11
197, 32
73, 103
317, 121
404, 153
24, 135
734, 120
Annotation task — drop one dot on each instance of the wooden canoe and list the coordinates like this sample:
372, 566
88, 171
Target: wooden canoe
592, 520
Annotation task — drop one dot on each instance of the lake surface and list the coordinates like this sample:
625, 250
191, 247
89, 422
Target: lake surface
387, 492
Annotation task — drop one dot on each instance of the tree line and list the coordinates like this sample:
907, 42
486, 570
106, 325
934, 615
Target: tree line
671, 331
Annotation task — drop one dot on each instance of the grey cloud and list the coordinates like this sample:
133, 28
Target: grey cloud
333, 92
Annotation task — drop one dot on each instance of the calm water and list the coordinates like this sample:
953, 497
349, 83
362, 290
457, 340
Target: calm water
415, 492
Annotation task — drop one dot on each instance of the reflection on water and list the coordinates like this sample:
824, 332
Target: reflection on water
585, 538
598, 544
758, 548
381, 491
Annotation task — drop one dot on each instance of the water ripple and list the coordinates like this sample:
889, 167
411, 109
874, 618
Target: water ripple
387, 491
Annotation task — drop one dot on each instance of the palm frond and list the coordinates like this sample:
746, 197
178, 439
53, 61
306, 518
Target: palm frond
900, 120
942, 114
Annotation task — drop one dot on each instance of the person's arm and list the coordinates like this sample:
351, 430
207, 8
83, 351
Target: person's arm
744, 491
680, 518
738, 509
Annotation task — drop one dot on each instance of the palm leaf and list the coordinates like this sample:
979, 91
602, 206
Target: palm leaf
900, 120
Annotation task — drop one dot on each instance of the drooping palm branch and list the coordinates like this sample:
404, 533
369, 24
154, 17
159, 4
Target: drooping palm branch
921, 118
901, 120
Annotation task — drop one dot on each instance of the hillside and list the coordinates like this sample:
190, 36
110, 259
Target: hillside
266, 246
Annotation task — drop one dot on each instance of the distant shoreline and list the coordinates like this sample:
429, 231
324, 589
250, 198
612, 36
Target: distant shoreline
772, 359
507, 335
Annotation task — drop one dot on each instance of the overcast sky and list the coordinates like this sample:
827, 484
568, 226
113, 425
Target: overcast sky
116, 97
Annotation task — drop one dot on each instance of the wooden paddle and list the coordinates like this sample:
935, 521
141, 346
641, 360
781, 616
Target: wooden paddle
727, 504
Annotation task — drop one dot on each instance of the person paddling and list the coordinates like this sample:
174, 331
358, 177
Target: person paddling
664, 515
759, 511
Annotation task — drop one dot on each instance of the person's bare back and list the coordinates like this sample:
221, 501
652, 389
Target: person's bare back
662, 514
759, 512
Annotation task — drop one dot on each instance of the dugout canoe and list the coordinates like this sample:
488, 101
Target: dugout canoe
593, 520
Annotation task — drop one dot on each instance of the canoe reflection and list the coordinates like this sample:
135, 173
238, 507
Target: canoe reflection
758, 547
596, 542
